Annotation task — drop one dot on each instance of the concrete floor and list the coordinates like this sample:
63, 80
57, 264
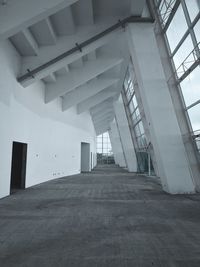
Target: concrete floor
106, 218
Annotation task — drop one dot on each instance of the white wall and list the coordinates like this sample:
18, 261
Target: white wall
54, 138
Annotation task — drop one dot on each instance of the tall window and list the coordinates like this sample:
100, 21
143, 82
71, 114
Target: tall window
135, 118
129, 89
104, 149
180, 21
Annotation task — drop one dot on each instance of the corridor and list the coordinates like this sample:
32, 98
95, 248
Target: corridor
108, 218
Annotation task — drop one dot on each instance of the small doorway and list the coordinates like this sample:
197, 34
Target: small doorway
85, 157
18, 167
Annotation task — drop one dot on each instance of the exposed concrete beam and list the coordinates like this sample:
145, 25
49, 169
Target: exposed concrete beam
44, 33
50, 79
105, 123
25, 43
106, 117
102, 113
20, 14
51, 30
61, 72
32, 42
63, 22
85, 91
78, 77
77, 64
64, 44
67, 68
103, 128
83, 12
92, 55
103, 105
137, 7
95, 100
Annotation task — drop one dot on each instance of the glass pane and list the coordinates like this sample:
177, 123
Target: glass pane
134, 117
191, 87
137, 112
141, 128
131, 107
137, 130
165, 9
183, 51
194, 114
182, 56
134, 101
193, 8
177, 28
197, 31
131, 87
128, 94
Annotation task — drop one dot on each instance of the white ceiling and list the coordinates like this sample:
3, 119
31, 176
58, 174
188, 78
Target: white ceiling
90, 80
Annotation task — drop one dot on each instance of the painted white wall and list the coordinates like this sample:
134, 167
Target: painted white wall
53, 137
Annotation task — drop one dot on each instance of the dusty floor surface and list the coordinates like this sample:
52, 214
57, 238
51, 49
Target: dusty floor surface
106, 218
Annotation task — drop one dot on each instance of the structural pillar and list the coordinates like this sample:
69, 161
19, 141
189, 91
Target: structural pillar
124, 131
116, 145
165, 134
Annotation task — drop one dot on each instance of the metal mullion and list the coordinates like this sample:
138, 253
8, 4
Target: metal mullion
186, 34
191, 30
134, 111
180, 43
137, 123
168, 9
174, 9
131, 97
158, 4
191, 68
192, 105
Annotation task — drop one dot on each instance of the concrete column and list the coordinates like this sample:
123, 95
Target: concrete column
116, 145
125, 135
172, 164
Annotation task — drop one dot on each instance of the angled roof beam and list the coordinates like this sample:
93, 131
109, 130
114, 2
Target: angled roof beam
20, 14
103, 127
32, 42
83, 12
103, 105
44, 33
102, 113
77, 77
107, 116
85, 91
50, 78
63, 22
94, 100
25, 43
102, 123
137, 7
79, 47
60, 62
51, 30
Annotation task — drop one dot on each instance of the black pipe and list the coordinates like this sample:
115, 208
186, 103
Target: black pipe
79, 47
